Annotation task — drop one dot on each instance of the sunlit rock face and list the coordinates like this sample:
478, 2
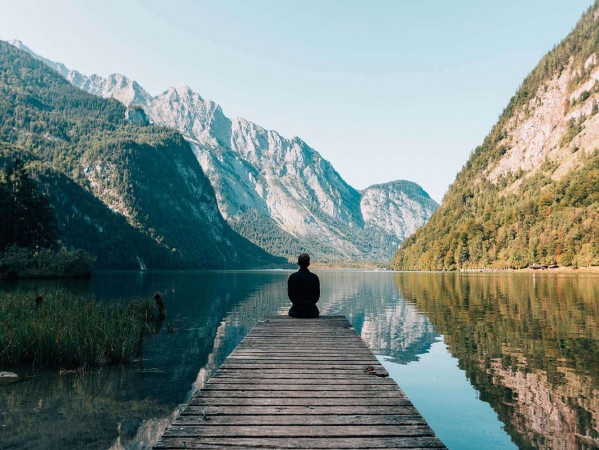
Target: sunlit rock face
399, 208
536, 134
545, 413
268, 184
540, 160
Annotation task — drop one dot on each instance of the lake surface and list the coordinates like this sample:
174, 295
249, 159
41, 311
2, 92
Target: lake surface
492, 361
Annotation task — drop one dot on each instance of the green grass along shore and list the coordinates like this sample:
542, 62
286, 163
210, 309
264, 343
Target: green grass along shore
62, 330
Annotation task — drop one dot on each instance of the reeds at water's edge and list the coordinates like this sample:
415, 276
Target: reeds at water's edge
60, 329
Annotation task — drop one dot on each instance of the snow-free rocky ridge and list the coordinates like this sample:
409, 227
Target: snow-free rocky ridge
277, 192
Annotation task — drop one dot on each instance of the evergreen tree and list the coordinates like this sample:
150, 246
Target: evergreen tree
26, 218
6, 214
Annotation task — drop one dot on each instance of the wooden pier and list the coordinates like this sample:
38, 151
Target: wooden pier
300, 383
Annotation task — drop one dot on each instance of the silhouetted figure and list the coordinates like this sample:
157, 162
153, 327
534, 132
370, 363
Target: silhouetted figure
303, 289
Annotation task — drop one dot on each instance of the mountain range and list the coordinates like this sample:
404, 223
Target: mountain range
279, 193
119, 189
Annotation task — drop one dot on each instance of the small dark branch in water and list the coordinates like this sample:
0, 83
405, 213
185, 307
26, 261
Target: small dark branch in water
39, 299
159, 303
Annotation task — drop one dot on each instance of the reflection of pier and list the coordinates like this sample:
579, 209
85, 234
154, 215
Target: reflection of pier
300, 384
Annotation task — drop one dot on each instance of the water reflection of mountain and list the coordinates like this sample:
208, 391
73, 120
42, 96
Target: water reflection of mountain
528, 343
211, 312
389, 325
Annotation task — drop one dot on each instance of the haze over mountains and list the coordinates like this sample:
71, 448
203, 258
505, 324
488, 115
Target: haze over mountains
279, 193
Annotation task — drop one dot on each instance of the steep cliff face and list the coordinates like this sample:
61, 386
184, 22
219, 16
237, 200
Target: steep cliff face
147, 176
397, 208
279, 193
529, 192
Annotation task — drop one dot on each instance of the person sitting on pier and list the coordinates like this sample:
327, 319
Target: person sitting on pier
303, 289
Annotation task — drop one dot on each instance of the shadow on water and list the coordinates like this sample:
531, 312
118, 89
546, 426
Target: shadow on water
528, 344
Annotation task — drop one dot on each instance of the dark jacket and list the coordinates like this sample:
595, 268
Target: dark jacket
303, 289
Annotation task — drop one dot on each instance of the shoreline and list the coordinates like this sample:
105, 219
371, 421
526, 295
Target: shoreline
592, 269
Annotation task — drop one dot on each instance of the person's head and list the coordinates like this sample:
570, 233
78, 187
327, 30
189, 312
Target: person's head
303, 260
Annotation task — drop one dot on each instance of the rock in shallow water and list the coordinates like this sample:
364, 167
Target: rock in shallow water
8, 375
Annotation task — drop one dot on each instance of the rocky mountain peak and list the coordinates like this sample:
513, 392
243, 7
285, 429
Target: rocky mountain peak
264, 181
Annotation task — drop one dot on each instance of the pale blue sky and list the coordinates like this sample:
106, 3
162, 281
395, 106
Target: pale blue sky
385, 90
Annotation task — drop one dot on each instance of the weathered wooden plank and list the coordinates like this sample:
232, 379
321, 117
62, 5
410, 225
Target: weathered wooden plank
308, 375
288, 342
317, 353
300, 384
309, 334
360, 383
318, 349
318, 332
307, 342
279, 318
297, 373
370, 442
292, 385
353, 366
295, 350
339, 331
285, 345
305, 357
267, 431
301, 419
306, 330
316, 395
324, 324
314, 401
303, 362
300, 356
313, 345
294, 358
241, 359
216, 410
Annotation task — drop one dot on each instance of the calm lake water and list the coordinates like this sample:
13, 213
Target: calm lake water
492, 361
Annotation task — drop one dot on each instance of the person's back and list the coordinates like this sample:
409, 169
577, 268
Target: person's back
303, 289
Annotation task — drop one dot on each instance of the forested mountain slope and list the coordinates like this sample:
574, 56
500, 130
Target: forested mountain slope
279, 193
530, 193
120, 189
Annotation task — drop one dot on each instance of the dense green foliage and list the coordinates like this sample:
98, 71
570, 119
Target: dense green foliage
119, 190
59, 329
482, 224
56, 262
28, 241
26, 219
264, 232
